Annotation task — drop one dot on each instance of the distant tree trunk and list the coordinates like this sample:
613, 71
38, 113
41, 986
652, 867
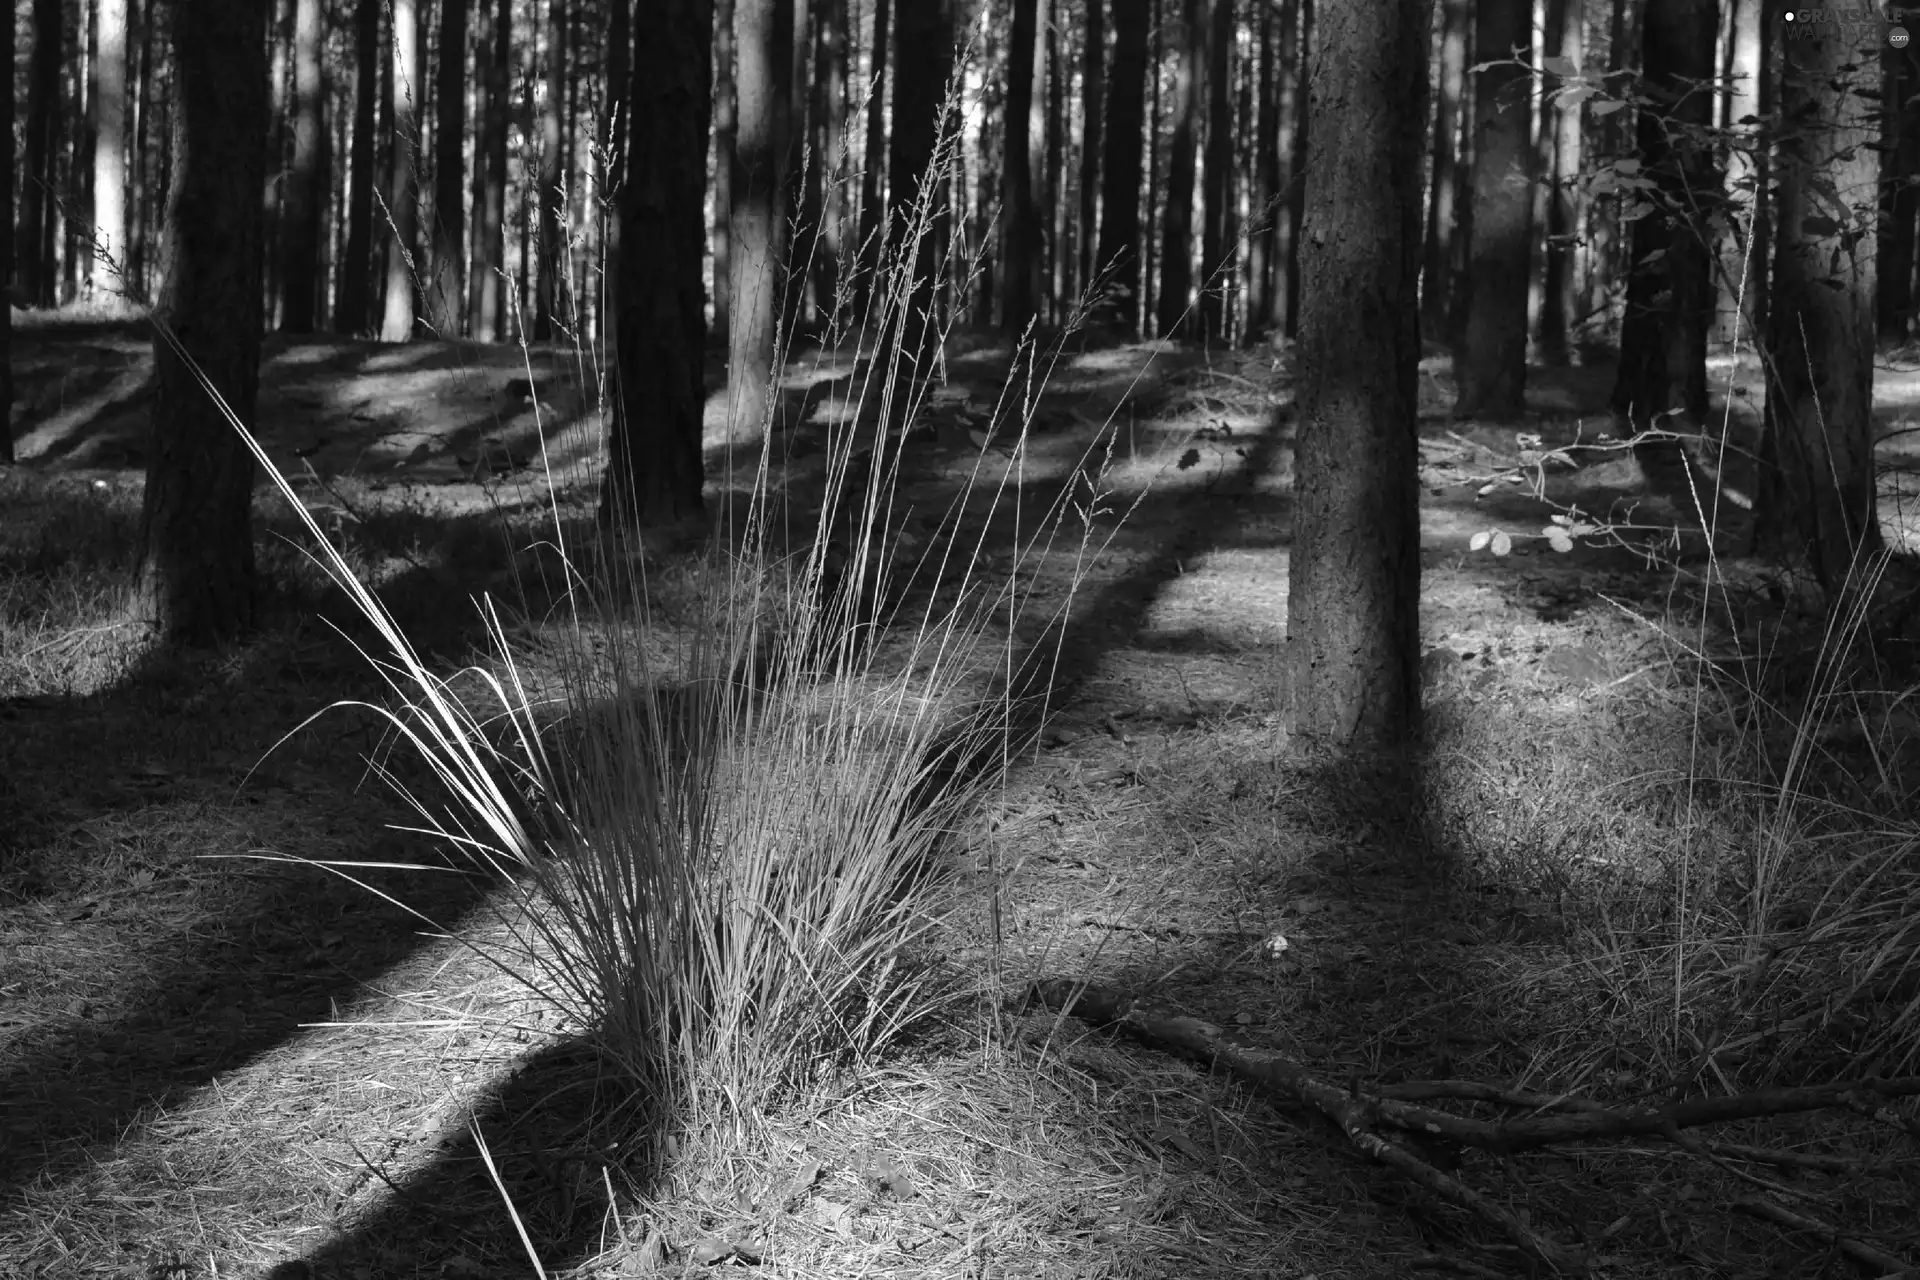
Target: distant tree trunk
110, 146
1156, 176
33, 246
1566, 34
1817, 496
1093, 103
403, 198
140, 174
1118, 257
195, 575
828, 107
552, 193
1436, 269
756, 239
1899, 196
873, 162
1353, 594
1742, 282
1176, 232
491, 311
1491, 366
725, 70
352, 311
1020, 230
1296, 182
1052, 203
1262, 313
306, 181
6, 243
447, 296
1217, 247
1663, 335
74, 211
923, 41
654, 470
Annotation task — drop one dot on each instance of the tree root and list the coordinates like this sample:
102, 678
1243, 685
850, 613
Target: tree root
1429, 1137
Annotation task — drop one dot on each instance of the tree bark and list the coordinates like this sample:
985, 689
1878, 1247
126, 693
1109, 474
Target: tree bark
1093, 104
307, 180
654, 470
403, 197
923, 41
1020, 229
552, 193
33, 246
873, 162
110, 145
1176, 232
352, 310
1297, 185
446, 295
726, 70
1558, 299
1899, 194
757, 238
6, 244
1353, 592
1741, 312
1817, 490
1217, 247
1052, 202
195, 574
1491, 367
1437, 275
1265, 201
139, 170
1117, 261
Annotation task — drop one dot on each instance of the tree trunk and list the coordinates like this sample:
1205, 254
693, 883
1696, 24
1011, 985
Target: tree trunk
757, 240
6, 244
1899, 196
1353, 594
1743, 278
195, 575
1265, 202
1117, 260
1817, 495
1296, 184
353, 311
654, 470
552, 193
447, 296
1176, 232
403, 197
1491, 367
75, 211
1093, 103
307, 180
33, 246
1558, 300
110, 146
140, 171
1217, 246
1663, 335
924, 44
873, 163
491, 309
725, 72
1052, 203
1020, 230
1437, 276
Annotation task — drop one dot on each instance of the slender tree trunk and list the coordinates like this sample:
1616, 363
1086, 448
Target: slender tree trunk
110, 146
1053, 198
725, 73
827, 177
75, 211
1093, 105
654, 471
493, 314
552, 194
1899, 196
1436, 271
33, 245
1296, 182
1491, 366
1020, 231
758, 248
448, 293
140, 182
873, 161
1117, 259
403, 196
1176, 233
1353, 593
1264, 173
6, 243
1559, 300
924, 43
306, 181
1817, 496
353, 311
1217, 247
195, 571
1743, 277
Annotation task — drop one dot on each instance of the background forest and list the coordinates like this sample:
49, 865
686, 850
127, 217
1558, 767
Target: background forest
958, 638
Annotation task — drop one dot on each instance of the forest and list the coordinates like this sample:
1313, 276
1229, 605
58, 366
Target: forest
959, 638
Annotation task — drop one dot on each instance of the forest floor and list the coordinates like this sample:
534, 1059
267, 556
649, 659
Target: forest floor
216, 1066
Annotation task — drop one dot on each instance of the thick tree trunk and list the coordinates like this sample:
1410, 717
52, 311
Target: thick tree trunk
447, 296
403, 197
33, 246
552, 193
1353, 593
923, 41
1052, 202
1559, 300
1117, 260
1093, 105
1217, 247
758, 243
195, 575
654, 470
1899, 196
1817, 495
307, 180
110, 147
1020, 225
1437, 275
352, 312
1176, 232
1491, 366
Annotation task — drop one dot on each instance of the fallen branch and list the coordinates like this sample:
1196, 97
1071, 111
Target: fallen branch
1884, 1264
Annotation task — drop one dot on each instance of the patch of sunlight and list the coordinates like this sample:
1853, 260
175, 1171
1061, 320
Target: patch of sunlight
1235, 598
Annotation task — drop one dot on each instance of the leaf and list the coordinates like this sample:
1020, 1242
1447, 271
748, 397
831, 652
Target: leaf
980, 438
1559, 66
1502, 544
1626, 168
1557, 539
1188, 459
1573, 95
1488, 487
1480, 540
1607, 107
710, 1250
